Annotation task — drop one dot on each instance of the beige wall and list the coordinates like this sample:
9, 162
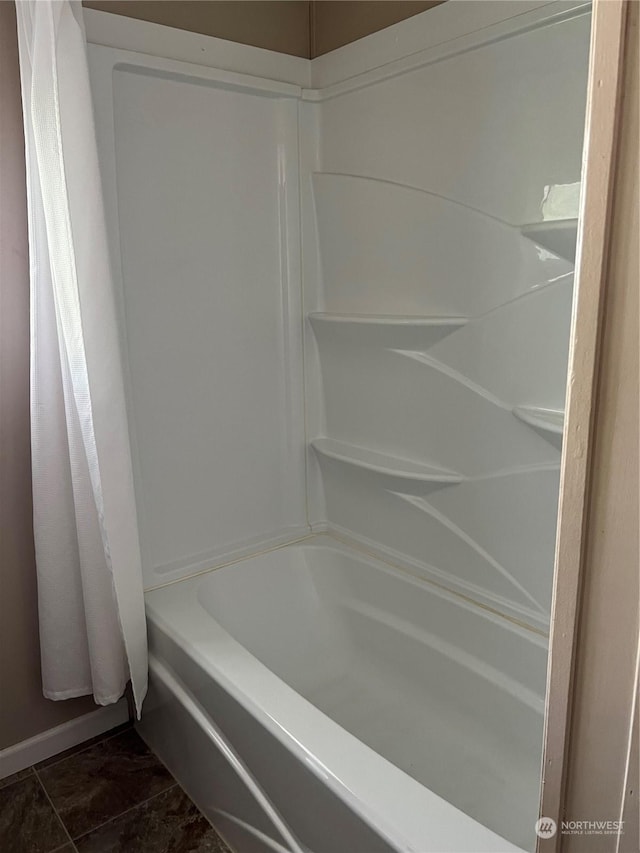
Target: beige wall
24, 711
599, 743
281, 26
338, 22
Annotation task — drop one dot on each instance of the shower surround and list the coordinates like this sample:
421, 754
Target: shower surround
345, 293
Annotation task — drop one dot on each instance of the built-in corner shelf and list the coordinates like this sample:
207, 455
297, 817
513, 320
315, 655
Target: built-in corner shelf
547, 420
557, 235
386, 330
394, 467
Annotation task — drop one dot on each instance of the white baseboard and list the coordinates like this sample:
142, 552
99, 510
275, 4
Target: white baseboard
52, 741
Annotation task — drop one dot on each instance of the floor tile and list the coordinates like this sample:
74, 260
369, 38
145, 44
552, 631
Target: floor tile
80, 747
28, 824
15, 777
93, 786
169, 823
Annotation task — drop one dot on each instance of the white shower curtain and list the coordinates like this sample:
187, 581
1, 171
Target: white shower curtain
91, 609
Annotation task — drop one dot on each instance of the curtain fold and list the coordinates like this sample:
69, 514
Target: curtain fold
91, 606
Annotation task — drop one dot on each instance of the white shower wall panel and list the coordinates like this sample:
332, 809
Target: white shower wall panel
441, 329
488, 127
415, 180
206, 194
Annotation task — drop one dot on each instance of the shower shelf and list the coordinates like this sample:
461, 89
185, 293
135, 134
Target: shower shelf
383, 463
557, 235
548, 420
388, 330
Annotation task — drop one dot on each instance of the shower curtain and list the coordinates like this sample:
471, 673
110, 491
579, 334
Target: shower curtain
91, 608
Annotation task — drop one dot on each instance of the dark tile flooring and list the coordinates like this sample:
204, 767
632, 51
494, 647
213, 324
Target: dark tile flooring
108, 795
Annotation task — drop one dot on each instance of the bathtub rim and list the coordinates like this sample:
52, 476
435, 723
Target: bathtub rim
381, 794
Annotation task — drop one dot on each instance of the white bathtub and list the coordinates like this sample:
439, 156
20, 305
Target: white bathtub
313, 698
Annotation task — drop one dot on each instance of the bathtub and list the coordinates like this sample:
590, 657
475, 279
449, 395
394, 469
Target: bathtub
314, 698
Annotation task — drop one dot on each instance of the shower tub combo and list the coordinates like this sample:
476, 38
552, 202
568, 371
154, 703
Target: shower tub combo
313, 698
344, 288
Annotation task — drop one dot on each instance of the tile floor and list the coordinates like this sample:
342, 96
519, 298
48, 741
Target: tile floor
108, 795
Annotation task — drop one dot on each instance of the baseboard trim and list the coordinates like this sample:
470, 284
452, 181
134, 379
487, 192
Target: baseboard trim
52, 741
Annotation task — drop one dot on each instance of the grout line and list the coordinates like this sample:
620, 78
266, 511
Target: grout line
71, 841
55, 811
111, 819
202, 814
178, 785
126, 811
108, 735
